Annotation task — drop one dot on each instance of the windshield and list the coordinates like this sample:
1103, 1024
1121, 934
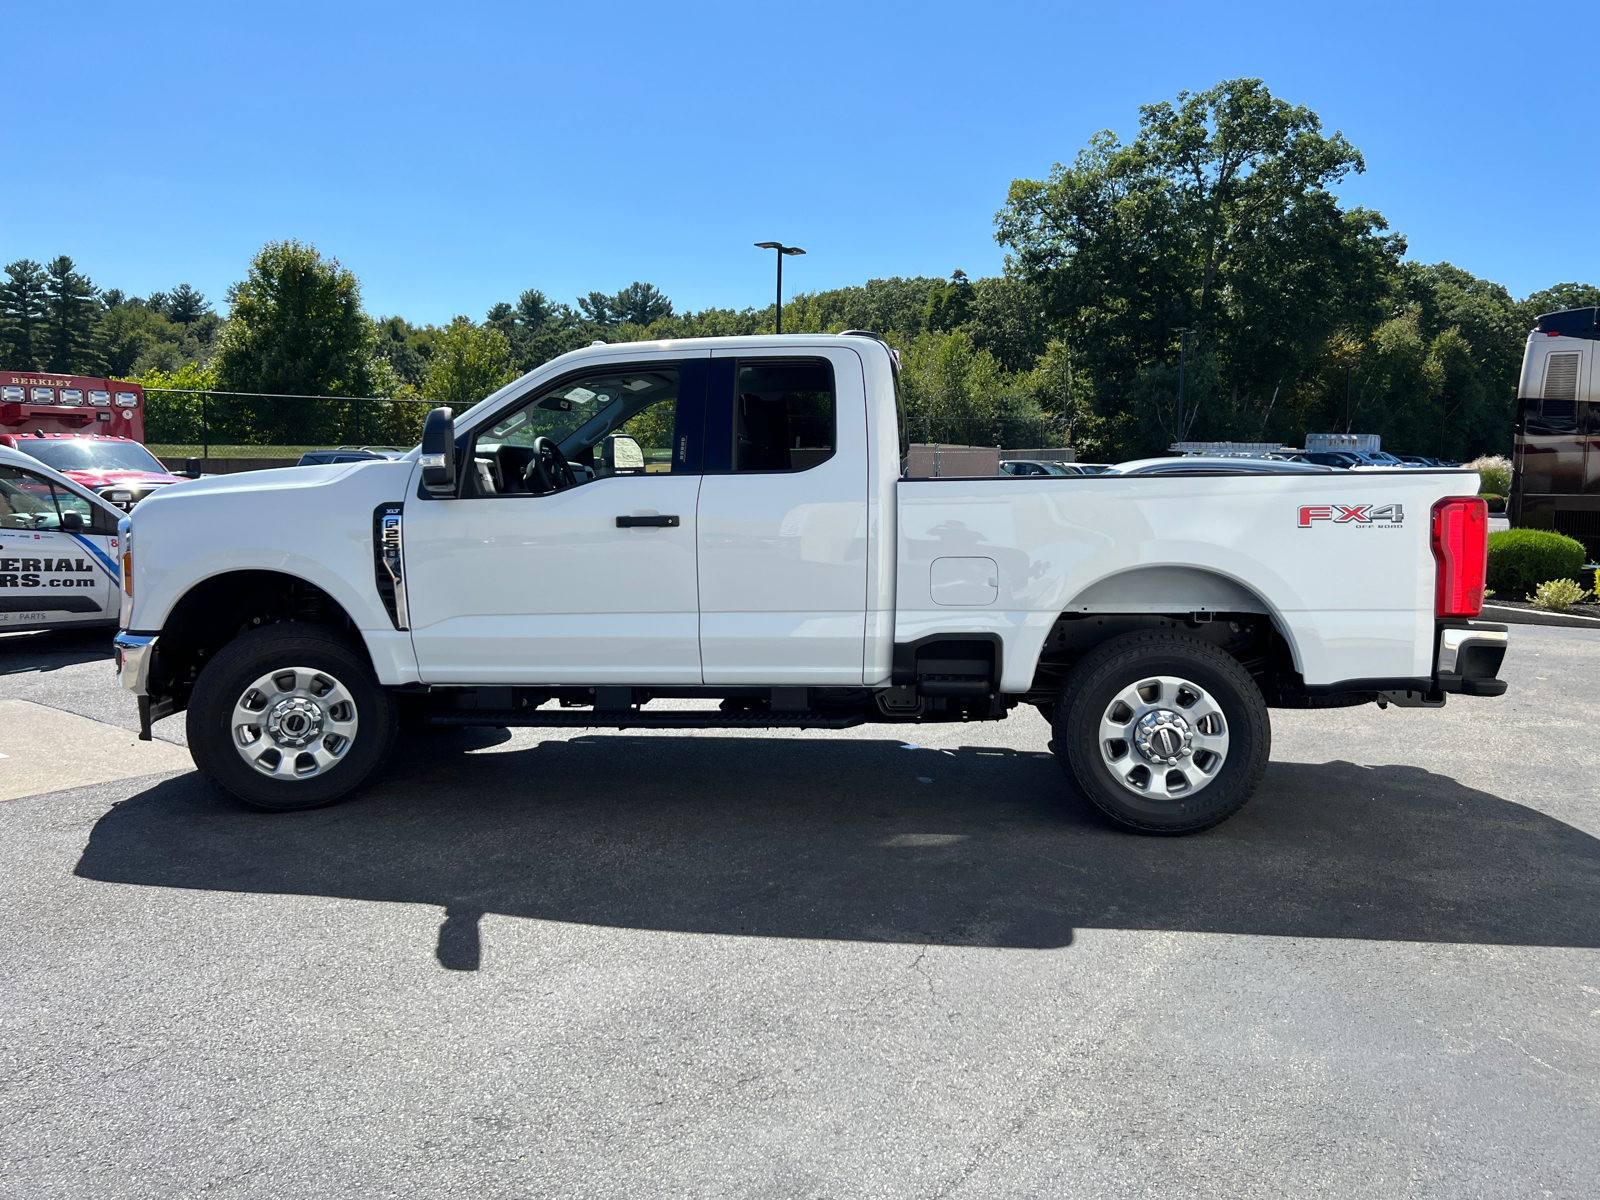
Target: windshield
79, 454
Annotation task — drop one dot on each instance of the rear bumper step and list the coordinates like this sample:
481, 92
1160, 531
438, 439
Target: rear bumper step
506, 718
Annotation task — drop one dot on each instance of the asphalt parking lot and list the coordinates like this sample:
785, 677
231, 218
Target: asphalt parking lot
589, 963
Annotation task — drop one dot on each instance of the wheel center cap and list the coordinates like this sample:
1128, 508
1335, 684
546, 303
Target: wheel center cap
1163, 737
295, 722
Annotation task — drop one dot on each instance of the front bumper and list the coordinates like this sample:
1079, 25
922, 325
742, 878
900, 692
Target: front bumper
1469, 658
135, 651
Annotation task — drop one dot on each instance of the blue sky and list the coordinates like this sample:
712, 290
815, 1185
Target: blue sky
453, 155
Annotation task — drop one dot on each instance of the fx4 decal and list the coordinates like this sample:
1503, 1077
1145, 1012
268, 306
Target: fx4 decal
1351, 514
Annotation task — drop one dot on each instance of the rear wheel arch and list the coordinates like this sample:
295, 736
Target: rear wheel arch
1204, 603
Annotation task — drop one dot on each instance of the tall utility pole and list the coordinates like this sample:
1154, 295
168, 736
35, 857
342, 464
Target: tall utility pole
1349, 373
1183, 364
782, 250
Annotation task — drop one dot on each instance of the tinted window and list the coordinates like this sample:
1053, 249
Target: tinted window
783, 415
29, 501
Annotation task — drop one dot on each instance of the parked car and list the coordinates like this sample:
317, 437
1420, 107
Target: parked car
1032, 466
58, 549
117, 469
1342, 459
1228, 465
347, 454
781, 571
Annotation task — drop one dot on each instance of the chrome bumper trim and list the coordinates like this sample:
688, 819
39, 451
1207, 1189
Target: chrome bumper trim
1454, 640
134, 651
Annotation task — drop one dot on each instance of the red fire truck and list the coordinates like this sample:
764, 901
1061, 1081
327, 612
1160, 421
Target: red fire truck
39, 400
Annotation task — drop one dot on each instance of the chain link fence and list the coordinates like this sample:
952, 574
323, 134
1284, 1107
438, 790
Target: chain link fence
186, 417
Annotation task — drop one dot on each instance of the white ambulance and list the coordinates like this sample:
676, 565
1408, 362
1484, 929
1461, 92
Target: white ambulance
58, 550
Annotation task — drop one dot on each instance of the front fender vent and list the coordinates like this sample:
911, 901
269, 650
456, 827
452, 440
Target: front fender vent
388, 554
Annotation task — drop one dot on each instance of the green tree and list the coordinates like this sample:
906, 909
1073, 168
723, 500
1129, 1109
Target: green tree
596, 308
70, 312
22, 311
401, 345
1217, 217
185, 305
1562, 296
640, 304
295, 327
949, 307
957, 393
126, 333
469, 362
175, 403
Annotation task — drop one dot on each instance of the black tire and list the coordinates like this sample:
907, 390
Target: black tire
260, 652
1089, 695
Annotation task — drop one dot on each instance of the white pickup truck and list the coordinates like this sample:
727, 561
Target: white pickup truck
731, 521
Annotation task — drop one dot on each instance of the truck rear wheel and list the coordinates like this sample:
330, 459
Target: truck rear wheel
1162, 732
289, 717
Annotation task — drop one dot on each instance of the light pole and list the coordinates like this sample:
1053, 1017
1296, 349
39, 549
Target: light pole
782, 250
1183, 364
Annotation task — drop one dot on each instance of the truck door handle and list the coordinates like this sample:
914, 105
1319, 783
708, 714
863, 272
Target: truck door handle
659, 522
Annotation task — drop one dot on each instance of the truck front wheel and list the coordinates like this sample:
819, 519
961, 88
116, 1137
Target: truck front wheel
1163, 732
289, 717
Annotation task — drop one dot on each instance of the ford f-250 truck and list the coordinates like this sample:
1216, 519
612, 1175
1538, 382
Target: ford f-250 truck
731, 520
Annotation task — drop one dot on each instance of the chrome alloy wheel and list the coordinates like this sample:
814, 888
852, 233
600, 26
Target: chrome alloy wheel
294, 723
1163, 737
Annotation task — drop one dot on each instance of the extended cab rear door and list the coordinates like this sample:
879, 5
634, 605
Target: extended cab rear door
783, 518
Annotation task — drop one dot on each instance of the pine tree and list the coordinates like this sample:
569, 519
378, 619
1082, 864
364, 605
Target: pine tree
22, 304
185, 305
68, 327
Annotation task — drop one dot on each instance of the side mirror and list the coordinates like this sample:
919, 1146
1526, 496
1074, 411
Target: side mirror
438, 457
622, 453
72, 522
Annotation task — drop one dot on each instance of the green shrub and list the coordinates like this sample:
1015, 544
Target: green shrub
1497, 504
1558, 595
1521, 559
1494, 471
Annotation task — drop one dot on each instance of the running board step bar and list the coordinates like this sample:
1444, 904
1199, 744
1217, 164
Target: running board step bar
506, 718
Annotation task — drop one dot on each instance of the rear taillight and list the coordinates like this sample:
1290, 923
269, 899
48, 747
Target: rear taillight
1461, 546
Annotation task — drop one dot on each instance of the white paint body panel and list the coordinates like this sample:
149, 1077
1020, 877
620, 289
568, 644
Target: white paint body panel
314, 523
809, 577
547, 589
1355, 601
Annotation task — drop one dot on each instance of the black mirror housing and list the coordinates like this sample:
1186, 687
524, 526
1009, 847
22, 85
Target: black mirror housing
439, 453
73, 522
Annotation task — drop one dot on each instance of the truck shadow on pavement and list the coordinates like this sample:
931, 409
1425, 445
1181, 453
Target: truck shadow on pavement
50, 650
840, 838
